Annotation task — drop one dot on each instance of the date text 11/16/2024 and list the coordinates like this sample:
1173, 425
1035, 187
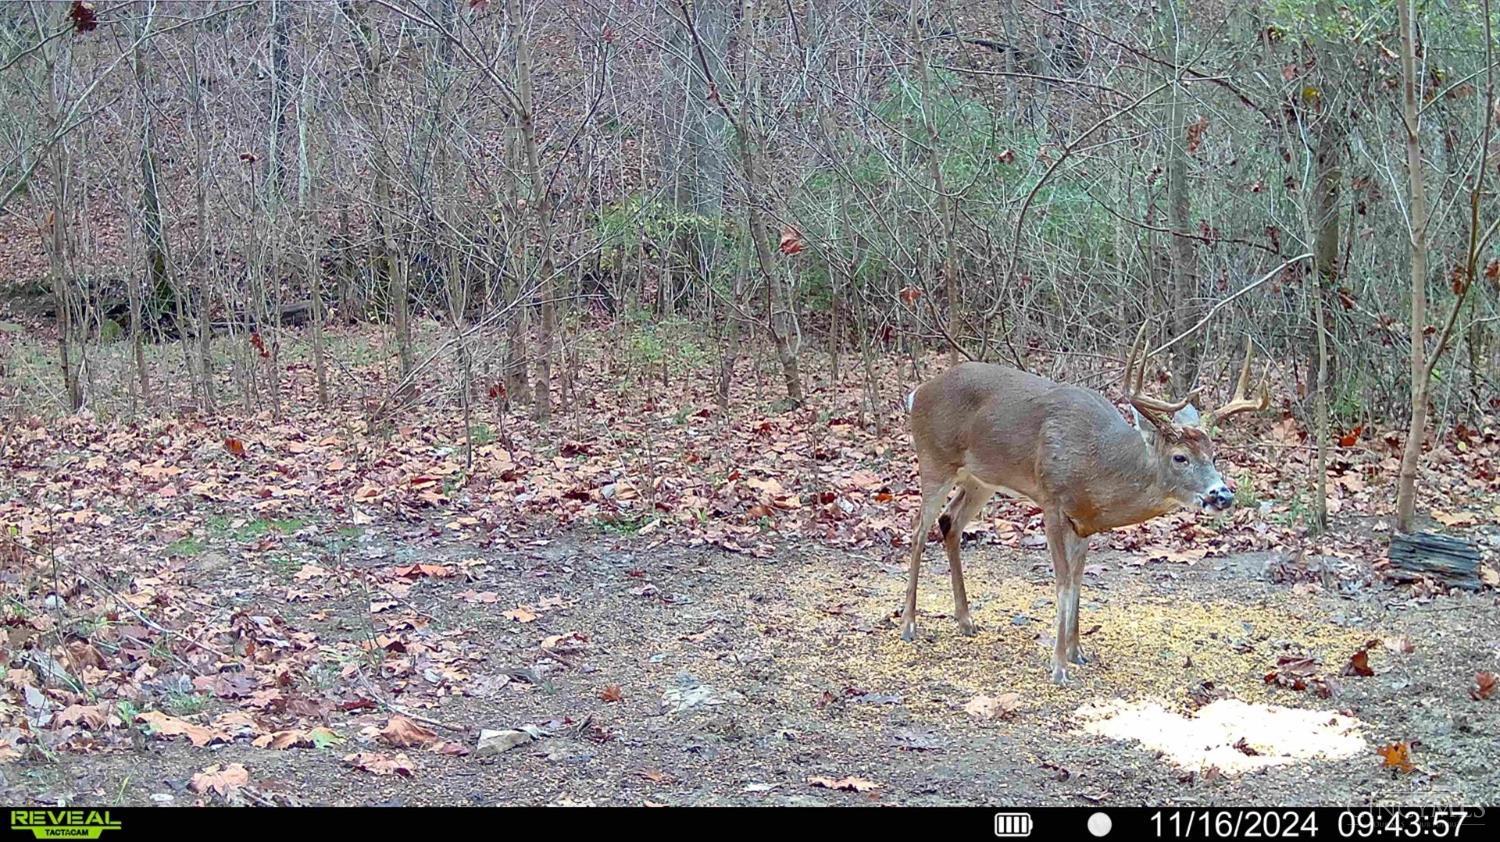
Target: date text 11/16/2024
1356, 823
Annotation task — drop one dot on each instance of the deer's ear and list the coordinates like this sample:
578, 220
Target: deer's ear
1187, 417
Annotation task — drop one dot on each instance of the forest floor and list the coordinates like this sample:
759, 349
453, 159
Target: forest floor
659, 600
667, 675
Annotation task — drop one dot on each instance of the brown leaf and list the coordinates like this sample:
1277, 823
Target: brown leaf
92, 717
846, 784
295, 738
222, 780
1484, 686
1195, 131
1003, 706
521, 614
235, 447
417, 571
167, 726
403, 732
380, 764
612, 694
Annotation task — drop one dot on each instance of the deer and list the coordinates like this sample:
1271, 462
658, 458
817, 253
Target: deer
986, 428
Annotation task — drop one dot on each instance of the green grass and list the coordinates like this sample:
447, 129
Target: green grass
620, 524
284, 565
188, 547
258, 528
186, 704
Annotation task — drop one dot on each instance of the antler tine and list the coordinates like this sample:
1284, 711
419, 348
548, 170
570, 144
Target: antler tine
1159, 412
1239, 401
1132, 388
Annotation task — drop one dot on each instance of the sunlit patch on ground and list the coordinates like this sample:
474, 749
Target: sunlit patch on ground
1229, 734
1144, 643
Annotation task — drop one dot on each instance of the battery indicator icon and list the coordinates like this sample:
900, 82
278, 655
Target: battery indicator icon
1012, 825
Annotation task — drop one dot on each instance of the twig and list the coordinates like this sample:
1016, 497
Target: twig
395, 708
1226, 301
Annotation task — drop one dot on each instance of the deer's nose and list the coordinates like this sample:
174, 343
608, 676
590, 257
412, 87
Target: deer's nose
1220, 496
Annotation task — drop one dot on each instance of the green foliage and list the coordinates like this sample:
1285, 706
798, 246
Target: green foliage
640, 219
988, 162
672, 342
186, 704
621, 524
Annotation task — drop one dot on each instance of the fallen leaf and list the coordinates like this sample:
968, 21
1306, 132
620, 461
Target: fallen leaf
1003, 706
380, 764
162, 725
846, 784
1359, 662
1484, 686
222, 780
1397, 756
403, 732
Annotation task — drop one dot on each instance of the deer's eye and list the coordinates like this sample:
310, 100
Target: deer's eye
1180, 458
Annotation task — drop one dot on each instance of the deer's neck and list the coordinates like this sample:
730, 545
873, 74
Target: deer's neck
1138, 493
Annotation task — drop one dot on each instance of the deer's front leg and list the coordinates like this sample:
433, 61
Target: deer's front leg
1058, 545
934, 490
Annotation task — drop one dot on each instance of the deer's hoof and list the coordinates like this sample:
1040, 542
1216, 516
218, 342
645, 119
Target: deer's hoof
1060, 675
909, 631
1077, 657
966, 626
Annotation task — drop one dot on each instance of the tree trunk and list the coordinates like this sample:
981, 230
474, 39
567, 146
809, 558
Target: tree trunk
1411, 455
1184, 294
1328, 181
780, 319
933, 143
541, 207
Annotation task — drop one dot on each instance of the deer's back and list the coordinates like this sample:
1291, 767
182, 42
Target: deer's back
1012, 429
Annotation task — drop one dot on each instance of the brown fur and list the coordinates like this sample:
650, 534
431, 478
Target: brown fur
983, 427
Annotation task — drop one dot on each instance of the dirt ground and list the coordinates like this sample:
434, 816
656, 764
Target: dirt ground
740, 679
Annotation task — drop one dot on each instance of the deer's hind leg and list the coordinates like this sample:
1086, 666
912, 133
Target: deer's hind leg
936, 483
1077, 551
970, 499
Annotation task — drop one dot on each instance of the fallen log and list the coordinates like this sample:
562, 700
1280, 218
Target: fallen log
1452, 561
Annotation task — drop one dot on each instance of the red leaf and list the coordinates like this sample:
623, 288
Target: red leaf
1195, 131
1484, 686
1359, 662
1351, 438
83, 16
791, 240
235, 447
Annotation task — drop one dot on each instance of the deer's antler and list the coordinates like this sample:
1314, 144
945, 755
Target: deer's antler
1158, 412
1239, 402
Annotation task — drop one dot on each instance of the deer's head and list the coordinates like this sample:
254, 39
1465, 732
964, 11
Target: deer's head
1178, 435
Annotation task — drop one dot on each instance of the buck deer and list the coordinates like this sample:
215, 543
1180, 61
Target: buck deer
988, 428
